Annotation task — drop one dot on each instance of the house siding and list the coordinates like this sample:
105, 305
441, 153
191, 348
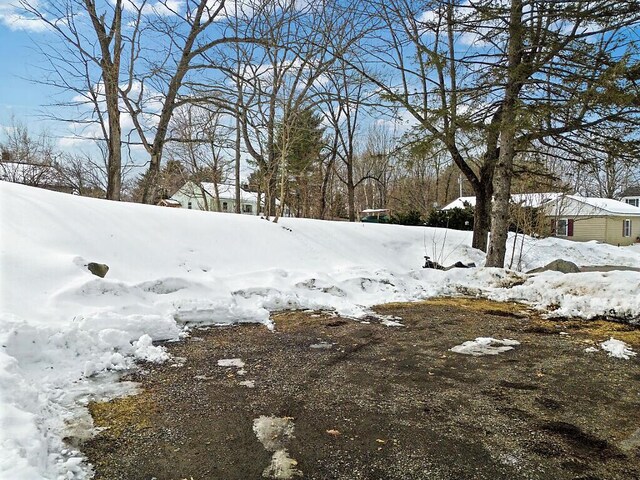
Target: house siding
592, 221
589, 228
192, 193
614, 230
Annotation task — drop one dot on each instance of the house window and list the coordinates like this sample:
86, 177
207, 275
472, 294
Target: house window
189, 205
626, 228
564, 227
633, 201
247, 208
561, 228
225, 207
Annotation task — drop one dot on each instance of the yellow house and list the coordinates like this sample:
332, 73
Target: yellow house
590, 218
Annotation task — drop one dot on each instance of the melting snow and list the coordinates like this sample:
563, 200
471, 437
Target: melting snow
231, 362
617, 349
62, 328
485, 346
275, 433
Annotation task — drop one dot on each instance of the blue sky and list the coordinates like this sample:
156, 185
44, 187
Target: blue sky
18, 57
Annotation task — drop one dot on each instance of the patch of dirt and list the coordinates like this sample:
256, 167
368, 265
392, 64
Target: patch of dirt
382, 402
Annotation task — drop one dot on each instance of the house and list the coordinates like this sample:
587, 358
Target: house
531, 200
590, 218
631, 196
201, 196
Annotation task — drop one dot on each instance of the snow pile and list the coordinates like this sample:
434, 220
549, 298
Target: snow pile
485, 346
62, 329
617, 349
530, 253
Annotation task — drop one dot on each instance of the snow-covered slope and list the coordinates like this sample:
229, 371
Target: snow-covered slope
62, 328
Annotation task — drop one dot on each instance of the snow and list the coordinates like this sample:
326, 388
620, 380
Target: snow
525, 199
275, 433
485, 346
608, 205
64, 332
617, 349
231, 362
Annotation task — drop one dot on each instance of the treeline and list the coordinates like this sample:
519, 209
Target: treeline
315, 93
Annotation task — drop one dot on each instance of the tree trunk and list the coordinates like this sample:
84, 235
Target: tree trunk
481, 218
237, 164
325, 188
504, 168
351, 192
500, 210
151, 180
114, 159
272, 190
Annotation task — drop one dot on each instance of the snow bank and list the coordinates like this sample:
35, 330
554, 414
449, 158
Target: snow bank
63, 329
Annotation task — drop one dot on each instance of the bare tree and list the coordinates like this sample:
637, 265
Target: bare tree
87, 64
501, 77
200, 139
343, 100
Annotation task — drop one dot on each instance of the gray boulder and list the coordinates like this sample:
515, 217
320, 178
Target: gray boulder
98, 269
559, 265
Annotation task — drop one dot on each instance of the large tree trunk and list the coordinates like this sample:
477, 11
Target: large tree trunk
481, 218
110, 65
500, 210
237, 163
504, 168
151, 180
114, 159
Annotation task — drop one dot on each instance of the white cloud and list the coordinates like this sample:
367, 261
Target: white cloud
163, 8
14, 18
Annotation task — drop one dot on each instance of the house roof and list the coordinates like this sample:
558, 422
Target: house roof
169, 201
631, 192
533, 200
460, 203
225, 190
375, 210
607, 205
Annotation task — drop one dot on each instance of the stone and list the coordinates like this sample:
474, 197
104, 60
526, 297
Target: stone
559, 265
98, 269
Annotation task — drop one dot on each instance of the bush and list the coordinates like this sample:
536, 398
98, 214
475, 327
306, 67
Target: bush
456, 218
412, 217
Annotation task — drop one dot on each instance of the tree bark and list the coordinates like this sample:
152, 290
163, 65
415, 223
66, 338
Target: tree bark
237, 163
504, 168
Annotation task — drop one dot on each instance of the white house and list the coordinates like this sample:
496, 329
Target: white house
631, 196
202, 196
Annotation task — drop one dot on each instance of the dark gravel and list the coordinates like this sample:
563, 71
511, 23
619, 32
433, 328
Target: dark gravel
384, 402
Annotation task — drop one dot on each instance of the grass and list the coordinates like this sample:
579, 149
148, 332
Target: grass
124, 413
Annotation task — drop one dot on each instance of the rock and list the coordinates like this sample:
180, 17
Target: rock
98, 269
559, 265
